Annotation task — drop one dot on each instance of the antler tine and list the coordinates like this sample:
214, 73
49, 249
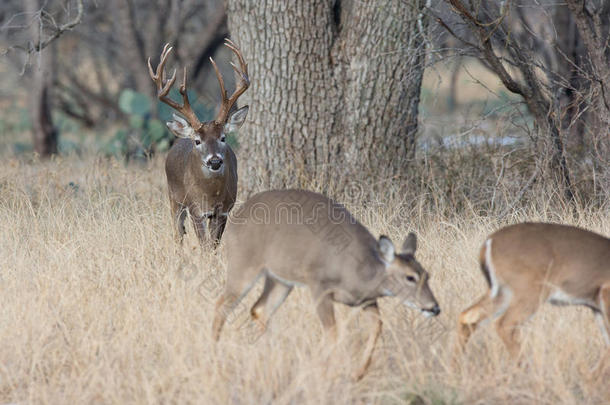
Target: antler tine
150, 70
168, 85
231, 45
236, 69
183, 85
164, 88
164, 55
230, 42
242, 86
183, 91
221, 82
157, 75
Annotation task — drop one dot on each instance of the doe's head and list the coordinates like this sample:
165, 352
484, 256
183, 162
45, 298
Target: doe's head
406, 278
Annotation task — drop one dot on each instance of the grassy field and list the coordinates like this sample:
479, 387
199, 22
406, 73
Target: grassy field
98, 305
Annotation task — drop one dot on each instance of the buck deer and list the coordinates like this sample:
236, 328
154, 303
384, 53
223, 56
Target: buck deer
530, 263
297, 237
201, 167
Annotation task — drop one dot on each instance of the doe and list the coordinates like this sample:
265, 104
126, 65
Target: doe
297, 237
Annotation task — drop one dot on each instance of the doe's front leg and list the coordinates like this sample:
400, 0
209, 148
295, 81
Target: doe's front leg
374, 317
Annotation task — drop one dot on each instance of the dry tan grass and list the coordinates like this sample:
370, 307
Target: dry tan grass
98, 306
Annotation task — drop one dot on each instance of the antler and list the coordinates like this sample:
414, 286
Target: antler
163, 89
244, 83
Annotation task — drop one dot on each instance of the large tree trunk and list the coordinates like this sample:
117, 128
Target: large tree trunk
44, 133
335, 88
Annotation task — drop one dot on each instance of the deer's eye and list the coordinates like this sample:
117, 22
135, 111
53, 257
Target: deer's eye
197, 142
222, 138
410, 279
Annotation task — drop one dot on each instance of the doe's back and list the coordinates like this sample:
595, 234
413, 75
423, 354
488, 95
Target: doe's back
295, 233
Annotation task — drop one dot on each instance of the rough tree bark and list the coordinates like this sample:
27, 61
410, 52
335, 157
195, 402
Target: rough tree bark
335, 88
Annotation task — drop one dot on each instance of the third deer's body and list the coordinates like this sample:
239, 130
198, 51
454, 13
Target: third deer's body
530, 263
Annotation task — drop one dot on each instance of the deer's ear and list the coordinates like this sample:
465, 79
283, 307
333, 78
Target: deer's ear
180, 127
236, 120
386, 248
410, 244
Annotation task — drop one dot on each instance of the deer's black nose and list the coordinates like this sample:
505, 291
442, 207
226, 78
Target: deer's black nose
214, 163
436, 310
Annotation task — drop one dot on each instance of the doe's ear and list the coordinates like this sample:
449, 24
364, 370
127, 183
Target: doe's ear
410, 244
236, 120
180, 127
386, 248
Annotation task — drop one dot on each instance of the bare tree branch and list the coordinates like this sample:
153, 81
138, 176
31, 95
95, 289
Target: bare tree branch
58, 30
531, 87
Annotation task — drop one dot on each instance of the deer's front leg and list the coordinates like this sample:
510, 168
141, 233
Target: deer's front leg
372, 314
217, 227
326, 313
178, 217
199, 219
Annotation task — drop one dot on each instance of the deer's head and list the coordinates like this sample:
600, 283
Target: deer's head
406, 278
209, 138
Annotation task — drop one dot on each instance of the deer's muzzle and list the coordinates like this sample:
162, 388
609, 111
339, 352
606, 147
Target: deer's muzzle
214, 163
434, 311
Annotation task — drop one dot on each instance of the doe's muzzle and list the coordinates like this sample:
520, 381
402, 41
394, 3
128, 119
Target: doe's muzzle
434, 311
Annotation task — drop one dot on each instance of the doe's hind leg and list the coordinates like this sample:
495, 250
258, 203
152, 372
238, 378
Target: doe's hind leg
235, 290
602, 369
470, 319
604, 314
509, 324
273, 295
487, 308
